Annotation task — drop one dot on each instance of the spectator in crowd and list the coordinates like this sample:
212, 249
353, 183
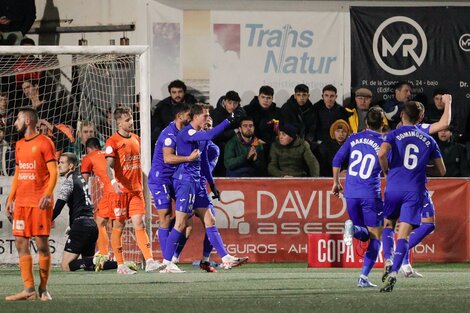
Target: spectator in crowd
7, 158
339, 132
163, 114
266, 116
394, 105
359, 108
326, 112
7, 119
16, 19
227, 106
86, 130
35, 97
435, 109
290, 155
454, 155
298, 110
244, 154
61, 134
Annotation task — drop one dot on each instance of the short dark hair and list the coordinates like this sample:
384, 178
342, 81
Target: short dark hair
93, 143
439, 91
120, 111
375, 118
180, 107
71, 158
399, 85
266, 90
329, 87
31, 112
198, 108
177, 84
246, 118
301, 88
412, 111
27, 41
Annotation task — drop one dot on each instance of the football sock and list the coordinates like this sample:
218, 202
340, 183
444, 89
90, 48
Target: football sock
361, 233
172, 243
207, 249
180, 246
417, 236
44, 270
162, 237
402, 247
143, 242
103, 240
26, 269
216, 240
116, 244
371, 256
387, 243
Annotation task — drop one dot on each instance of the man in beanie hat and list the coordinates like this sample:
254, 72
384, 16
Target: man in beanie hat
291, 155
339, 132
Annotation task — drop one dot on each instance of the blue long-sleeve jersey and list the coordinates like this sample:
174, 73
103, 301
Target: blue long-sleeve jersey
159, 169
363, 178
411, 151
189, 139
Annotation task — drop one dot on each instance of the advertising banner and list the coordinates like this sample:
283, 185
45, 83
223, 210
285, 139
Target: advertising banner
269, 220
280, 49
427, 46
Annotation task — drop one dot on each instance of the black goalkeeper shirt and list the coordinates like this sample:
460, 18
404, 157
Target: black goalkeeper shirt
74, 193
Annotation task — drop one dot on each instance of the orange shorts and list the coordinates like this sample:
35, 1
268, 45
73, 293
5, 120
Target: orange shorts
103, 206
32, 221
126, 205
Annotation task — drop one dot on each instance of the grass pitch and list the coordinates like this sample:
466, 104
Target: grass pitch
271, 288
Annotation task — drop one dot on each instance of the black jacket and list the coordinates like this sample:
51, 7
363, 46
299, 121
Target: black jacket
22, 14
302, 117
263, 120
325, 117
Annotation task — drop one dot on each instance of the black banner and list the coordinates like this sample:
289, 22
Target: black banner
429, 47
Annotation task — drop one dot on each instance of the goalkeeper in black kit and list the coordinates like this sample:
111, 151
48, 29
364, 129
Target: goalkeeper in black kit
83, 232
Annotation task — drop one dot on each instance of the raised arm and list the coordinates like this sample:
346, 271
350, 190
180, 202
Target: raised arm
444, 121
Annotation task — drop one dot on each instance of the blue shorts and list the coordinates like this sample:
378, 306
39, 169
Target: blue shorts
428, 206
404, 205
185, 193
162, 195
202, 198
365, 212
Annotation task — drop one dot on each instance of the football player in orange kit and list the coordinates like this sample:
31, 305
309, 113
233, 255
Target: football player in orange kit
125, 172
30, 202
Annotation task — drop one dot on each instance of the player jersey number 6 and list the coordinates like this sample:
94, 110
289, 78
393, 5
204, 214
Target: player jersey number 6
410, 160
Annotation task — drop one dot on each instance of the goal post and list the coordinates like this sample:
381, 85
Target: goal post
72, 86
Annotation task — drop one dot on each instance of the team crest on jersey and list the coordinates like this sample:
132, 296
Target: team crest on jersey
191, 132
109, 150
167, 141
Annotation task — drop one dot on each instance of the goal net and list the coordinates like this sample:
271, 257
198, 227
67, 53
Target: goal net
75, 90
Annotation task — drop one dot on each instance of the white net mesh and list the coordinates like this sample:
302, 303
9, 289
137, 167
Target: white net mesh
75, 95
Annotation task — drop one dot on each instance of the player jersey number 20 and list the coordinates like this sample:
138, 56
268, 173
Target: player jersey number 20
361, 164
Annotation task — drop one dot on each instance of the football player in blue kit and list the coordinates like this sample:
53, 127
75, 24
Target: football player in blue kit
190, 196
362, 189
405, 168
